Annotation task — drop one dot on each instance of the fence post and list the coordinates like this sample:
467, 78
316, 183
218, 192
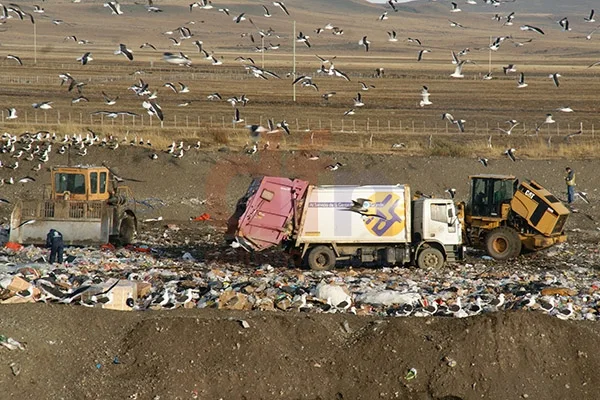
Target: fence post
354, 125
342, 125
592, 131
389, 126
413, 126
368, 120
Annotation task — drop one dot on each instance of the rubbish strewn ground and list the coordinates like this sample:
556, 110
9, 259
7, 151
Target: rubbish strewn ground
295, 341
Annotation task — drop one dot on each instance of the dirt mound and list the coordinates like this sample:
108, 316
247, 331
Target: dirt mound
80, 353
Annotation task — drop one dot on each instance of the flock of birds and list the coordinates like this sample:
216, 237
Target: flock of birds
149, 97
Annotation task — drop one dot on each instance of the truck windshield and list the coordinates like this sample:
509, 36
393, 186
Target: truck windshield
73, 183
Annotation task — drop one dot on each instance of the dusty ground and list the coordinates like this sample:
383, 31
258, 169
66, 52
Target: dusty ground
206, 354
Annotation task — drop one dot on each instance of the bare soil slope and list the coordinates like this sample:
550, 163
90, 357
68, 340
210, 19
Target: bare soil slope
79, 353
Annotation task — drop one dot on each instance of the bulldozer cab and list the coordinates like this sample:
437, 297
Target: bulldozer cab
80, 183
489, 193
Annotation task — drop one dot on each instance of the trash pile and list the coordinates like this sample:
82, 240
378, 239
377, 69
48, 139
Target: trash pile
140, 279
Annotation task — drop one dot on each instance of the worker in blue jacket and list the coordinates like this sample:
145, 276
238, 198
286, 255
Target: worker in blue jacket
54, 241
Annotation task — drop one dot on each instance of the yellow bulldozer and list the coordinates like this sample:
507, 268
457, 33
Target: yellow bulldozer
504, 216
85, 203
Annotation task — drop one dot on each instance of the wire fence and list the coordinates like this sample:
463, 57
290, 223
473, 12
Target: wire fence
47, 120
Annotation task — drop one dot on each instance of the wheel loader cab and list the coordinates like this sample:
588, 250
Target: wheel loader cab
80, 183
489, 193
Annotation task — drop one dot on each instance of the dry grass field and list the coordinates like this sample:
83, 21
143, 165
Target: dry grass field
391, 113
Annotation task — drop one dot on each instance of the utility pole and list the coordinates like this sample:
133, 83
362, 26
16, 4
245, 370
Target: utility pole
294, 61
262, 50
34, 43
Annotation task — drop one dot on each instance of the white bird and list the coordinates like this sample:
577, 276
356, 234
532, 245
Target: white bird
84, 59
236, 117
510, 153
565, 313
459, 67
282, 6
590, 18
521, 81
455, 7
358, 100
554, 78
125, 51
115, 7
364, 42
425, 97
44, 105
532, 28
383, 16
12, 113
565, 109
16, 58
421, 52
392, 36
549, 119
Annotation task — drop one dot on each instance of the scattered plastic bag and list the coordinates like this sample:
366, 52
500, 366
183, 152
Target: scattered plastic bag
10, 343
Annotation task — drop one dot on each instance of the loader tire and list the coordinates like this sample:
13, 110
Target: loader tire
321, 258
430, 257
503, 243
126, 231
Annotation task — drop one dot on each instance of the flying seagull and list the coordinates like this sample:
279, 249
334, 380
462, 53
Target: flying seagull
178, 59
554, 78
460, 123
484, 161
12, 113
115, 7
590, 18
152, 108
282, 6
532, 28
510, 153
16, 58
421, 52
84, 59
425, 97
303, 38
125, 51
364, 42
458, 69
521, 81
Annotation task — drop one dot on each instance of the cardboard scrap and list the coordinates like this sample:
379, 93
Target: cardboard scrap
561, 291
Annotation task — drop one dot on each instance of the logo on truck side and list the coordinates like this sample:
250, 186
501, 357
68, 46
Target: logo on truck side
389, 209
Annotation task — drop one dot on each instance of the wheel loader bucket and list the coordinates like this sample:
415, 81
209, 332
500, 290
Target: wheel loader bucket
80, 222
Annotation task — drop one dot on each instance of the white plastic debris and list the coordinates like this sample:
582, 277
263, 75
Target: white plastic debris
388, 297
333, 294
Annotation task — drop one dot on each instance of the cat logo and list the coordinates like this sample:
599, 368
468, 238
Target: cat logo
388, 209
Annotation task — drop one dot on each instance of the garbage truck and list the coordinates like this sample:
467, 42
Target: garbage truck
321, 225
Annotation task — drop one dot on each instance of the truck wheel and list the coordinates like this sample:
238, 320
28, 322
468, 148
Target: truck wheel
321, 258
430, 257
126, 231
503, 243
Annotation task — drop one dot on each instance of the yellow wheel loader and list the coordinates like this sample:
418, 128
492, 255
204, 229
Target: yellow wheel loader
504, 216
84, 203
